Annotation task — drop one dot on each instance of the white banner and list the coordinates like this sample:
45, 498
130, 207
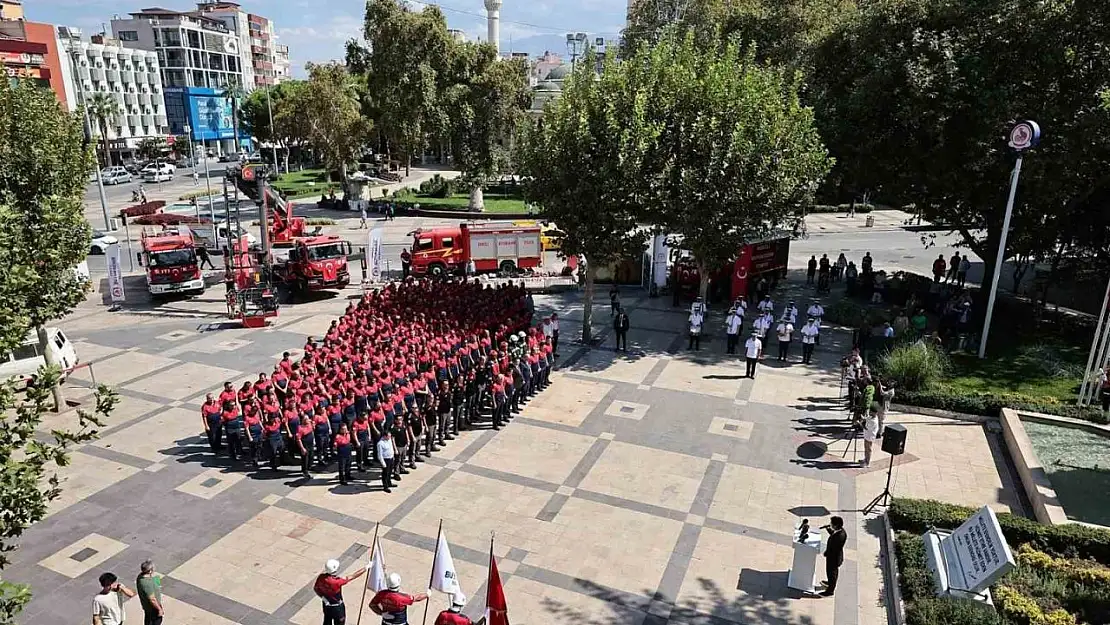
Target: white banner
444, 578
375, 579
115, 273
659, 259
374, 261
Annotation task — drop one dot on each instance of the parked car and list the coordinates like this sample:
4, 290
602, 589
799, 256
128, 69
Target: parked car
158, 173
100, 242
135, 168
153, 165
229, 158
21, 364
115, 175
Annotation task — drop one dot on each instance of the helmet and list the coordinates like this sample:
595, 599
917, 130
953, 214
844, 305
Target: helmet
514, 339
393, 580
331, 567
458, 600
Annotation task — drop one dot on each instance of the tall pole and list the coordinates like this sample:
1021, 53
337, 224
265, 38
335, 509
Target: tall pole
373, 548
1023, 135
88, 129
211, 210
1100, 362
1099, 330
431, 576
273, 134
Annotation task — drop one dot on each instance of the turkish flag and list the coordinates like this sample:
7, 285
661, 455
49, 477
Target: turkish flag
497, 612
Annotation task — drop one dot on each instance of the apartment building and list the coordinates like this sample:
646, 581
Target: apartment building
130, 77
194, 49
263, 63
282, 70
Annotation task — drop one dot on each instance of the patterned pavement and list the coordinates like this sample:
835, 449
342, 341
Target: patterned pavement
648, 487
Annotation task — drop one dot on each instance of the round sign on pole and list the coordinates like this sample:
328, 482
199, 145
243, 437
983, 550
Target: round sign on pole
248, 173
1025, 135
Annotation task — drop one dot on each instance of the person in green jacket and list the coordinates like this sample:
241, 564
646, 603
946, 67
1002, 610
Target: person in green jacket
149, 588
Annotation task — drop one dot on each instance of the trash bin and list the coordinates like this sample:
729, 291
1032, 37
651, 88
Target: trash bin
870, 222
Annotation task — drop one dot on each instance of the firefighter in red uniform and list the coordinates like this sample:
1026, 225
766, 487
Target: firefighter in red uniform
329, 587
454, 615
392, 604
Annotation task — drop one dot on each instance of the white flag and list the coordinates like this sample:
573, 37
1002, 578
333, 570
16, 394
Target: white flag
374, 258
444, 578
375, 579
115, 273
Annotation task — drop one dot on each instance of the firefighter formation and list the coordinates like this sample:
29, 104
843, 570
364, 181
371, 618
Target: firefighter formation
397, 375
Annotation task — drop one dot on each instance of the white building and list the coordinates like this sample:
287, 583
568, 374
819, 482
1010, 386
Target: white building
194, 49
282, 71
257, 42
131, 77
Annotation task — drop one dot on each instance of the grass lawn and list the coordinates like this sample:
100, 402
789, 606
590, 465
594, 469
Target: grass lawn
297, 184
495, 203
1035, 370
1078, 465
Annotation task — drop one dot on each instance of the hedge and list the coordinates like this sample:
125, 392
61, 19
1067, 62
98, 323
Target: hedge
991, 404
916, 583
838, 208
1067, 541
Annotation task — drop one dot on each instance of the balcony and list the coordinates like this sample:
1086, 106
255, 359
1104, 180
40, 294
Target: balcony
140, 78
131, 98
263, 65
113, 75
96, 74
133, 120
127, 77
148, 120
144, 99
83, 72
161, 120
172, 62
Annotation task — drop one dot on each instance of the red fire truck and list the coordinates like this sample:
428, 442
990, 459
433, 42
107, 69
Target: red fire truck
171, 262
303, 261
764, 258
494, 246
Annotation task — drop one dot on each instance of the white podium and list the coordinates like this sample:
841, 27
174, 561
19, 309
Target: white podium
803, 570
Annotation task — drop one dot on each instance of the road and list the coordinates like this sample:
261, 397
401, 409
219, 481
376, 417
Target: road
119, 195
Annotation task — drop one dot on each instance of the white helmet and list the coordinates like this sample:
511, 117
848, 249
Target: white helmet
458, 602
331, 567
393, 580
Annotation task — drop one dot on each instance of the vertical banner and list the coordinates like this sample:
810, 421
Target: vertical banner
374, 254
115, 274
740, 272
659, 259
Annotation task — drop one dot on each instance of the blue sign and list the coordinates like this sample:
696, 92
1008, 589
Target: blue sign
205, 111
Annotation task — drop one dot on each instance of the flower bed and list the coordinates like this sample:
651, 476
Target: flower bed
1062, 577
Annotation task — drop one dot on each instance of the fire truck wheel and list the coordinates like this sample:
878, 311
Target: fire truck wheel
437, 270
508, 266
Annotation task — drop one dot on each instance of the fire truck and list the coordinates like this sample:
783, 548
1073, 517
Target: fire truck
757, 259
304, 262
171, 262
493, 246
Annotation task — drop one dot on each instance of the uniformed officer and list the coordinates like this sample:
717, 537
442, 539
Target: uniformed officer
362, 440
210, 413
391, 604
329, 587
306, 437
454, 615
232, 419
275, 444
321, 428
252, 421
343, 448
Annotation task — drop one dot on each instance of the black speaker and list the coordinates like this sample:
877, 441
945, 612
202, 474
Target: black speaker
894, 439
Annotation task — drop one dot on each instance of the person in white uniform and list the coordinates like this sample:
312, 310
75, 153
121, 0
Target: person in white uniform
785, 332
810, 331
733, 323
753, 351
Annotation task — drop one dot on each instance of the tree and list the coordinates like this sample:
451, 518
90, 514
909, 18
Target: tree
584, 162
331, 112
103, 108
44, 166
234, 93
406, 65
916, 98
276, 103
152, 147
487, 103
737, 151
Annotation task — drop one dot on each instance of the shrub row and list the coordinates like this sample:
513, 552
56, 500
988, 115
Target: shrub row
1023, 610
1063, 541
922, 606
991, 404
1079, 571
839, 208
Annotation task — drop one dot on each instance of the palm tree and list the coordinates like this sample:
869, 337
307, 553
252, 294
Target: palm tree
234, 93
102, 108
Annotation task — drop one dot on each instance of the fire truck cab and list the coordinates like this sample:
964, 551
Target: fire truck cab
313, 263
171, 262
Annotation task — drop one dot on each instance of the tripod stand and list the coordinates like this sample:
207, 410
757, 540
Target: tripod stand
851, 438
883, 498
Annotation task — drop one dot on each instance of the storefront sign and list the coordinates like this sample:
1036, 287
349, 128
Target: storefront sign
21, 58
26, 72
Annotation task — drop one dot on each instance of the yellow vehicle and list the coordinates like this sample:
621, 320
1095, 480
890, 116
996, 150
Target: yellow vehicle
551, 238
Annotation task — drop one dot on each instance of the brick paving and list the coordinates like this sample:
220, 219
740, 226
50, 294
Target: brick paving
648, 487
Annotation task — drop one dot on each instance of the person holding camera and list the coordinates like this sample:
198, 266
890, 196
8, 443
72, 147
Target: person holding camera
108, 603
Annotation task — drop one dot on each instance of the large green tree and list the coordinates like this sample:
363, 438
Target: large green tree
915, 99
44, 166
329, 108
738, 151
584, 164
406, 66
276, 104
487, 102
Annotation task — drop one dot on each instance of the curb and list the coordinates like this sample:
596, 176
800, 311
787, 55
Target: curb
896, 609
944, 414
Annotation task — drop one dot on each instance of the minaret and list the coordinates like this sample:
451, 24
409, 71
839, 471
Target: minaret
493, 23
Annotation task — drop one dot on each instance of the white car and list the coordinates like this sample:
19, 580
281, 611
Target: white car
100, 242
159, 173
115, 175
154, 165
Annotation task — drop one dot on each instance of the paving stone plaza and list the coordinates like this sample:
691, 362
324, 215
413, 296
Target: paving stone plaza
648, 487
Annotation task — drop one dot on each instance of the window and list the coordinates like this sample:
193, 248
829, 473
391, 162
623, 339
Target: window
324, 252
60, 340
128, 35
447, 242
25, 352
423, 244
171, 258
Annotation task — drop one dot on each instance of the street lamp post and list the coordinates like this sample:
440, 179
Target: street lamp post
576, 44
273, 135
73, 38
1023, 136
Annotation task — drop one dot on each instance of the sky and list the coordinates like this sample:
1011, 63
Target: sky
315, 30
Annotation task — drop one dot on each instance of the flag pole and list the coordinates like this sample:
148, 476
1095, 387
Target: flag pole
366, 583
431, 575
489, 571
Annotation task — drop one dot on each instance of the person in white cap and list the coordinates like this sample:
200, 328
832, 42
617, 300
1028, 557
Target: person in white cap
329, 587
454, 615
393, 605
